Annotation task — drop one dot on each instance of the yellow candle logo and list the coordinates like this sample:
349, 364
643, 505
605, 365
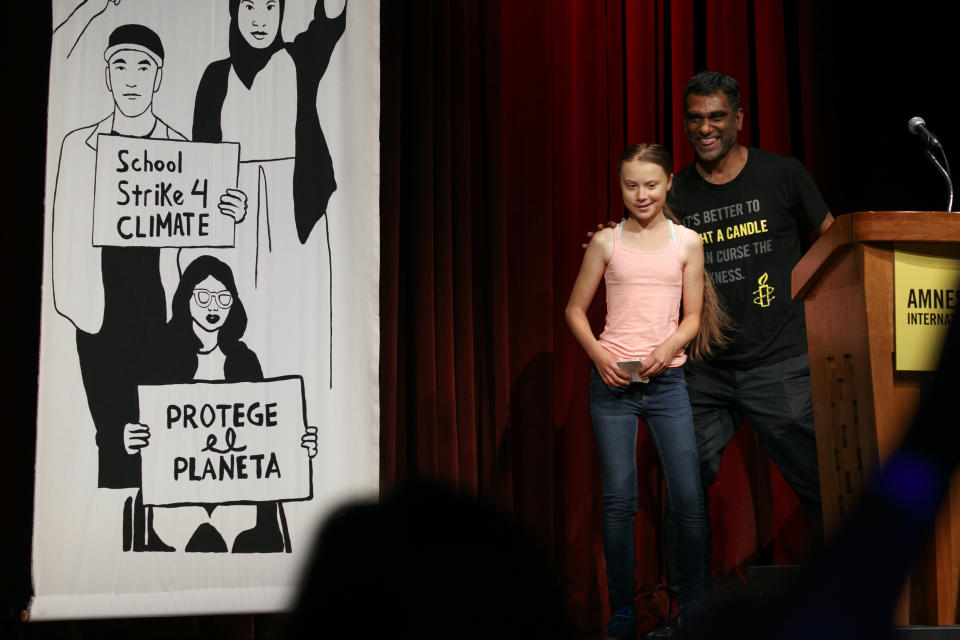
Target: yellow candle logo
764, 293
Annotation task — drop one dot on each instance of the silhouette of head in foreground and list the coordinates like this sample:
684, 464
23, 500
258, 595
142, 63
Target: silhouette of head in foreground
427, 562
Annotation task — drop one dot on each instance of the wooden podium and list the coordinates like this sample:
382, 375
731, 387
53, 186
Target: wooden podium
862, 404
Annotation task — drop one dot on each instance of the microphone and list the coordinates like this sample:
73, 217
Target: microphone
918, 127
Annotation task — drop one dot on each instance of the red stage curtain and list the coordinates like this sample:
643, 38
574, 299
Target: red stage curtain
502, 124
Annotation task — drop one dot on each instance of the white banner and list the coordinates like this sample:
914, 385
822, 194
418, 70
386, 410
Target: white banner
209, 380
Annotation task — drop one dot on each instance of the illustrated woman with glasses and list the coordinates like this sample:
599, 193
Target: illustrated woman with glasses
203, 342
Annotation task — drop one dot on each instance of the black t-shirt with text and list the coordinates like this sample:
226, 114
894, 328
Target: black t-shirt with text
752, 228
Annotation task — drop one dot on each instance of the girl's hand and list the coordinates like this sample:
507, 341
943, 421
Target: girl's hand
610, 372
135, 437
658, 361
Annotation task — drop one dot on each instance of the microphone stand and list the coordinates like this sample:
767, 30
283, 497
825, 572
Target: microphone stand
945, 171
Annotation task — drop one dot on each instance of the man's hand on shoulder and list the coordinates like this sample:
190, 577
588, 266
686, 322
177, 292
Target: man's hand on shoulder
611, 224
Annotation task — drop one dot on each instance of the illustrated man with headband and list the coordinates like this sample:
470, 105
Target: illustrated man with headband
115, 296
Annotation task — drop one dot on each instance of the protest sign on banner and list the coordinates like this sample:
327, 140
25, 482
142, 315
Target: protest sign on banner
222, 442
162, 193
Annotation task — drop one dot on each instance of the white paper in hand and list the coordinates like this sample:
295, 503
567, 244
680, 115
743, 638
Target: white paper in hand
632, 367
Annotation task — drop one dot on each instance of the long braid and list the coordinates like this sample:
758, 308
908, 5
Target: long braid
715, 323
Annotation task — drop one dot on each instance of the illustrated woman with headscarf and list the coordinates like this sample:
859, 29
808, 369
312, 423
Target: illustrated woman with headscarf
264, 96
203, 343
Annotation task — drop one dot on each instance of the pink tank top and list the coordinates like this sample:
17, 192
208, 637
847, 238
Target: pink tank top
644, 290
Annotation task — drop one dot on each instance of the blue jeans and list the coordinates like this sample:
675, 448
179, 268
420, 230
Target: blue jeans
664, 406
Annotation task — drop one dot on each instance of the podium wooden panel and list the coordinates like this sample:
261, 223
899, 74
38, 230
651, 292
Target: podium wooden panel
862, 404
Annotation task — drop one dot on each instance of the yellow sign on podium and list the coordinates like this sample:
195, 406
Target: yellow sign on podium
925, 295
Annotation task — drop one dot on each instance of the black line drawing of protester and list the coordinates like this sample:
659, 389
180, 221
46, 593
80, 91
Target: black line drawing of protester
264, 96
75, 24
202, 342
115, 296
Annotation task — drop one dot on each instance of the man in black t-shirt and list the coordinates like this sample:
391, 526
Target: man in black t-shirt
752, 209
752, 227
